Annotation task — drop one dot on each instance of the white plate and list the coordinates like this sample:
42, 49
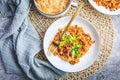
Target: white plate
86, 60
102, 9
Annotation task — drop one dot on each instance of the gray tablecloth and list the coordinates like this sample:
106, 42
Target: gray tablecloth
19, 42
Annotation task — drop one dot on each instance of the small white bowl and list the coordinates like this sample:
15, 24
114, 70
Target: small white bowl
71, 3
103, 10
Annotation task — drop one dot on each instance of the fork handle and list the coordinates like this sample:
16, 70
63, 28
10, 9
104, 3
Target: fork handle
73, 17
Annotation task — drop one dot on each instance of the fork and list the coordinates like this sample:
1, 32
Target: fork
54, 45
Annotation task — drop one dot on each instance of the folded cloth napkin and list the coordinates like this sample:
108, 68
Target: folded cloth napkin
20, 43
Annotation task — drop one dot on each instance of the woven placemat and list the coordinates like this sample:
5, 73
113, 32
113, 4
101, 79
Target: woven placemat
103, 24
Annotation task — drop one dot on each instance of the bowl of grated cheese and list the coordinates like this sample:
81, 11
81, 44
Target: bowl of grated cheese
54, 8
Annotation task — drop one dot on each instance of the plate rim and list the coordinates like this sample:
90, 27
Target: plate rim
114, 13
97, 51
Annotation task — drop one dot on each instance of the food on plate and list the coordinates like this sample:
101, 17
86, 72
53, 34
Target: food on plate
111, 4
52, 6
73, 45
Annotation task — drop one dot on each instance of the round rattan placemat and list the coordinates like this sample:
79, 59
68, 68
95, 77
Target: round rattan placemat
103, 24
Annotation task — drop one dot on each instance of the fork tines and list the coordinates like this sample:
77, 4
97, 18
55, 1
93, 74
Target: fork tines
53, 47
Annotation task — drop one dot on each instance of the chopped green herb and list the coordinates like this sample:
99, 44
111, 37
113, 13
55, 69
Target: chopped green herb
62, 44
72, 38
73, 54
75, 49
78, 55
74, 44
66, 39
79, 45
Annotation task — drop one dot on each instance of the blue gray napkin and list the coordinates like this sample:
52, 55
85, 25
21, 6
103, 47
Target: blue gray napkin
20, 42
